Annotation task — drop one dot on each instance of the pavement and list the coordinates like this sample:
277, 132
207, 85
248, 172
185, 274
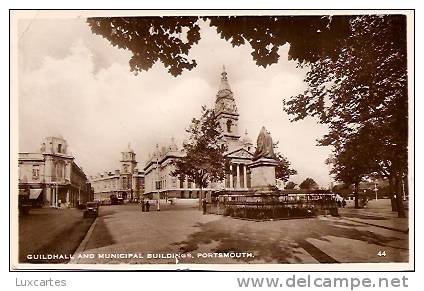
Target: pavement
377, 213
125, 234
51, 231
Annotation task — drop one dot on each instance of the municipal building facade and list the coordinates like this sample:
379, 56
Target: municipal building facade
158, 178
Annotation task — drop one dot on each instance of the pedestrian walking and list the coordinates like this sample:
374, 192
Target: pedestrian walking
147, 206
143, 206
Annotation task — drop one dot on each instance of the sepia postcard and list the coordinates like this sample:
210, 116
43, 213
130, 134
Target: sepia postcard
212, 140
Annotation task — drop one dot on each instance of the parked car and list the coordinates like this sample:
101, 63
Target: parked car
91, 209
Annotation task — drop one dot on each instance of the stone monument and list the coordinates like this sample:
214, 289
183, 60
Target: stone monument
264, 162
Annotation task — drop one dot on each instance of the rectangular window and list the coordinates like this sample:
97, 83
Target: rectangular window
35, 172
124, 183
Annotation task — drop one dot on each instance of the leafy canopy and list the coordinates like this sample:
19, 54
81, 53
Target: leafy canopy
290, 185
362, 95
169, 39
308, 184
283, 170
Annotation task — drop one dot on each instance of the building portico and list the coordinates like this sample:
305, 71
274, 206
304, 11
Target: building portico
237, 176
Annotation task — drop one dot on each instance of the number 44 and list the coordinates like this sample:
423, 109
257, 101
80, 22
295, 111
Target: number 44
381, 253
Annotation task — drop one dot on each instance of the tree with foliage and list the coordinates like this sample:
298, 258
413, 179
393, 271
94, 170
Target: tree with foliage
363, 89
354, 161
290, 185
168, 39
204, 159
283, 170
308, 184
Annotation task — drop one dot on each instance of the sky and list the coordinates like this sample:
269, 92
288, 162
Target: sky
76, 84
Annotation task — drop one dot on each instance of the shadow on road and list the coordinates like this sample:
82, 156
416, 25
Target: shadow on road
282, 242
64, 243
266, 249
101, 235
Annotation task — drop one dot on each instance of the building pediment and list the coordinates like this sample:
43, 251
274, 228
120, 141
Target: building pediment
240, 154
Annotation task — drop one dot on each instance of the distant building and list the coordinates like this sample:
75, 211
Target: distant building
51, 175
127, 183
240, 153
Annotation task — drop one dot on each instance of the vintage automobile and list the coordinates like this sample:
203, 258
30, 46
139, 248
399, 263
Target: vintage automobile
91, 209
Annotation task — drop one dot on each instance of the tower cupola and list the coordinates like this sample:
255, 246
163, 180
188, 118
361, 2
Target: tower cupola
226, 109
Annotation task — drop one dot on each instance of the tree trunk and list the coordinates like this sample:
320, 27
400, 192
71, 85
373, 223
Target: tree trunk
356, 193
392, 196
399, 199
200, 198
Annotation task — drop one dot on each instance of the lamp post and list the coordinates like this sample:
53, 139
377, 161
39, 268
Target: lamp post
375, 190
329, 162
403, 190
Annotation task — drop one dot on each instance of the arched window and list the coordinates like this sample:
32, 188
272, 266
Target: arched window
229, 123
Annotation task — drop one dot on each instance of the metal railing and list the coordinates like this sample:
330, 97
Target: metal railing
265, 207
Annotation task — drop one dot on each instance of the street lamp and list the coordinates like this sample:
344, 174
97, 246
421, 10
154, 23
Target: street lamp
375, 190
403, 190
329, 162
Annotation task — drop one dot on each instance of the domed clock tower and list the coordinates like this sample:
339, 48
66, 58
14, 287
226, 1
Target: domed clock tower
128, 161
226, 109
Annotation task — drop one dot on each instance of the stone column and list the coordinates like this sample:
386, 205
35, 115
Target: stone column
48, 169
55, 196
238, 176
231, 176
244, 176
68, 168
48, 195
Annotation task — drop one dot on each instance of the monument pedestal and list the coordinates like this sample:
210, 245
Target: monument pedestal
262, 173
